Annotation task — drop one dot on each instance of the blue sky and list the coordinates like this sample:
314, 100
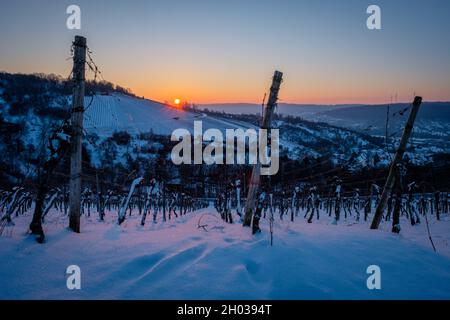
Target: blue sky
226, 51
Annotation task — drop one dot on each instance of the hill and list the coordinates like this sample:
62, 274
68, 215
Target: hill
126, 133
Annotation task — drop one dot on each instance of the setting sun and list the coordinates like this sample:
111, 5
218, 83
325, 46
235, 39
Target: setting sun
177, 101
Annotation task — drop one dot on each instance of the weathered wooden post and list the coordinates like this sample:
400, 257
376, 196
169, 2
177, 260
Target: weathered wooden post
79, 63
164, 200
250, 204
398, 158
100, 208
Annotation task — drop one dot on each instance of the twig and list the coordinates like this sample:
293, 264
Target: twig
429, 234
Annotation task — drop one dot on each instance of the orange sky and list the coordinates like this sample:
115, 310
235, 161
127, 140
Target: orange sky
226, 51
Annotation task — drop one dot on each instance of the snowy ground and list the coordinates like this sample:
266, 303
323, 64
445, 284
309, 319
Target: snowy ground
177, 260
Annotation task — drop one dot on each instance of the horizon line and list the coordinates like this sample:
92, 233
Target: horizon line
239, 103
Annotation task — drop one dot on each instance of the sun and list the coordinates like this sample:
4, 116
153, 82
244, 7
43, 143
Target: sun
177, 102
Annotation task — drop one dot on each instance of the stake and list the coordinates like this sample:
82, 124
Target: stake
387, 125
79, 62
250, 204
398, 158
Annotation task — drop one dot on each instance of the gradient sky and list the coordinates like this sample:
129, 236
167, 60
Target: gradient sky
226, 50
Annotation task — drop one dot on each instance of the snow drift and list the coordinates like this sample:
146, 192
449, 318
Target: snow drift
178, 260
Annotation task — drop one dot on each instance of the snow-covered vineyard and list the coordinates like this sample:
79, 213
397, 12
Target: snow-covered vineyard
215, 158
148, 228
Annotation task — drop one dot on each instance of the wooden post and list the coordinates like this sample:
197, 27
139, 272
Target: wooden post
99, 196
387, 126
398, 158
164, 200
250, 204
79, 63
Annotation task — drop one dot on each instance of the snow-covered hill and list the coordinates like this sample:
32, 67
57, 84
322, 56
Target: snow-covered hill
116, 112
433, 120
347, 136
355, 134
107, 114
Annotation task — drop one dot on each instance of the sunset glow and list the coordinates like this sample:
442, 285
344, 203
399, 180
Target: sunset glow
225, 156
217, 54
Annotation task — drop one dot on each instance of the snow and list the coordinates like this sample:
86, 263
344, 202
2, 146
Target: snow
109, 113
177, 260
117, 112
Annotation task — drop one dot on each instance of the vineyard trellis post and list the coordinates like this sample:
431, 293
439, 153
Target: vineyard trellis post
250, 205
79, 69
398, 158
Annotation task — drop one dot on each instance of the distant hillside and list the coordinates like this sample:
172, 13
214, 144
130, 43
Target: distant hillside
126, 133
283, 108
433, 120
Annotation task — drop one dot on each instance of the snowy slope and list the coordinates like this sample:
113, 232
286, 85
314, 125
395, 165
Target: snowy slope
107, 114
177, 260
116, 112
433, 119
432, 123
